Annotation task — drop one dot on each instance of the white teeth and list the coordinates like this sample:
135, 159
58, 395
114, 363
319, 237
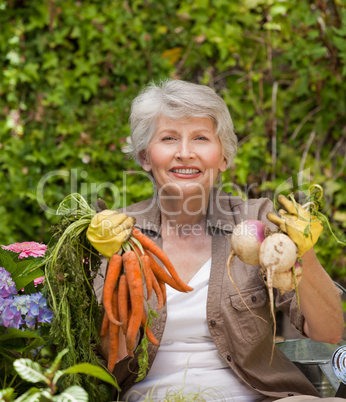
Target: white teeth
185, 171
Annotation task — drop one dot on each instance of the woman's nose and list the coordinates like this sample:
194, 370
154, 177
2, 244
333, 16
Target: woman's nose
185, 150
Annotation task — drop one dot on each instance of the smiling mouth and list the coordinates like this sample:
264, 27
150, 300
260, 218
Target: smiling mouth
185, 171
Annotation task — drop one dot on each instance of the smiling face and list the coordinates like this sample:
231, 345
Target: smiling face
184, 155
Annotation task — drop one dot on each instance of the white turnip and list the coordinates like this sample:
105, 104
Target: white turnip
288, 280
246, 240
276, 253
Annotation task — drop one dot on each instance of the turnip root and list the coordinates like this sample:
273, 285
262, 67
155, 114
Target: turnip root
246, 240
278, 254
287, 280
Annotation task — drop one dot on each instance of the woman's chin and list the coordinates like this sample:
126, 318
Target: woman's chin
184, 191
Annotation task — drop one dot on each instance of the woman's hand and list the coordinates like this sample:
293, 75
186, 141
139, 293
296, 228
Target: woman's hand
108, 230
303, 228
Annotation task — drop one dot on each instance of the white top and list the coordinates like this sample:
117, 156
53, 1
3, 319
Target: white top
187, 361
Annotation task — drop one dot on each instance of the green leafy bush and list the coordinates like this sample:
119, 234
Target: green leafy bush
69, 70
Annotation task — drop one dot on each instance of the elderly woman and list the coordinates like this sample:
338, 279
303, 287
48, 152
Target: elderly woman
210, 343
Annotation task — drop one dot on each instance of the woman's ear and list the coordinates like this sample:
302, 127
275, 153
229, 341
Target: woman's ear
145, 161
223, 165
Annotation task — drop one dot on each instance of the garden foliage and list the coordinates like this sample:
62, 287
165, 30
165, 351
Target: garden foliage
55, 348
69, 70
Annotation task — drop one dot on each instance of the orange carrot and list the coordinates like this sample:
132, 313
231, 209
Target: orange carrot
135, 248
148, 331
147, 275
145, 267
161, 274
156, 250
129, 312
157, 290
123, 296
113, 346
104, 325
113, 334
114, 268
163, 290
135, 281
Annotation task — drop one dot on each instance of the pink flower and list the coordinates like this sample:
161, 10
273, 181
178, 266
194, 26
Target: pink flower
27, 249
38, 281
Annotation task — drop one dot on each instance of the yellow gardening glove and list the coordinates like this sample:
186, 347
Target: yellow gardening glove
108, 230
303, 228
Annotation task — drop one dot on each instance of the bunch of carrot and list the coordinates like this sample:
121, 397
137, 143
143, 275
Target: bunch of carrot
124, 291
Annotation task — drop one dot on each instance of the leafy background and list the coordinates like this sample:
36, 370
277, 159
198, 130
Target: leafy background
70, 69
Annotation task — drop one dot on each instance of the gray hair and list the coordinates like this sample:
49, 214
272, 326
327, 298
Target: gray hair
176, 99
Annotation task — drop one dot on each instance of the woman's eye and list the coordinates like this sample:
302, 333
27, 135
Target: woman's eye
202, 138
167, 138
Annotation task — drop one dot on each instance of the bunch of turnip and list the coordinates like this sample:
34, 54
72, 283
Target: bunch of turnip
254, 244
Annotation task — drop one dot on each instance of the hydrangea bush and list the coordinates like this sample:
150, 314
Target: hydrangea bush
20, 311
25, 354
23, 308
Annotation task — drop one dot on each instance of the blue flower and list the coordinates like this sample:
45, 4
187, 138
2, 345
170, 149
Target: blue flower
22, 303
30, 321
7, 286
21, 311
33, 310
9, 315
45, 316
16, 311
39, 299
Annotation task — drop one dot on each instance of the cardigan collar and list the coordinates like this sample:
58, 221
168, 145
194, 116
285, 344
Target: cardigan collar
220, 214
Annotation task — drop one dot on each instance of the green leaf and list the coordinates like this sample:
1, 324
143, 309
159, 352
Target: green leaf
22, 281
13, 57
20, 268
30, 288
72, 394
56, 362
8, 354
46, 395
36, 343
17, 333
23, 346
6, 261
31, 72
6, 394
277, 9
340, 43
50, 60
29, 370
57, 376
27, 266
35, 395
91, 369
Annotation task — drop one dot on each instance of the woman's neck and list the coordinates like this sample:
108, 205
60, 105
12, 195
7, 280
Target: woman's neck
183, 216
